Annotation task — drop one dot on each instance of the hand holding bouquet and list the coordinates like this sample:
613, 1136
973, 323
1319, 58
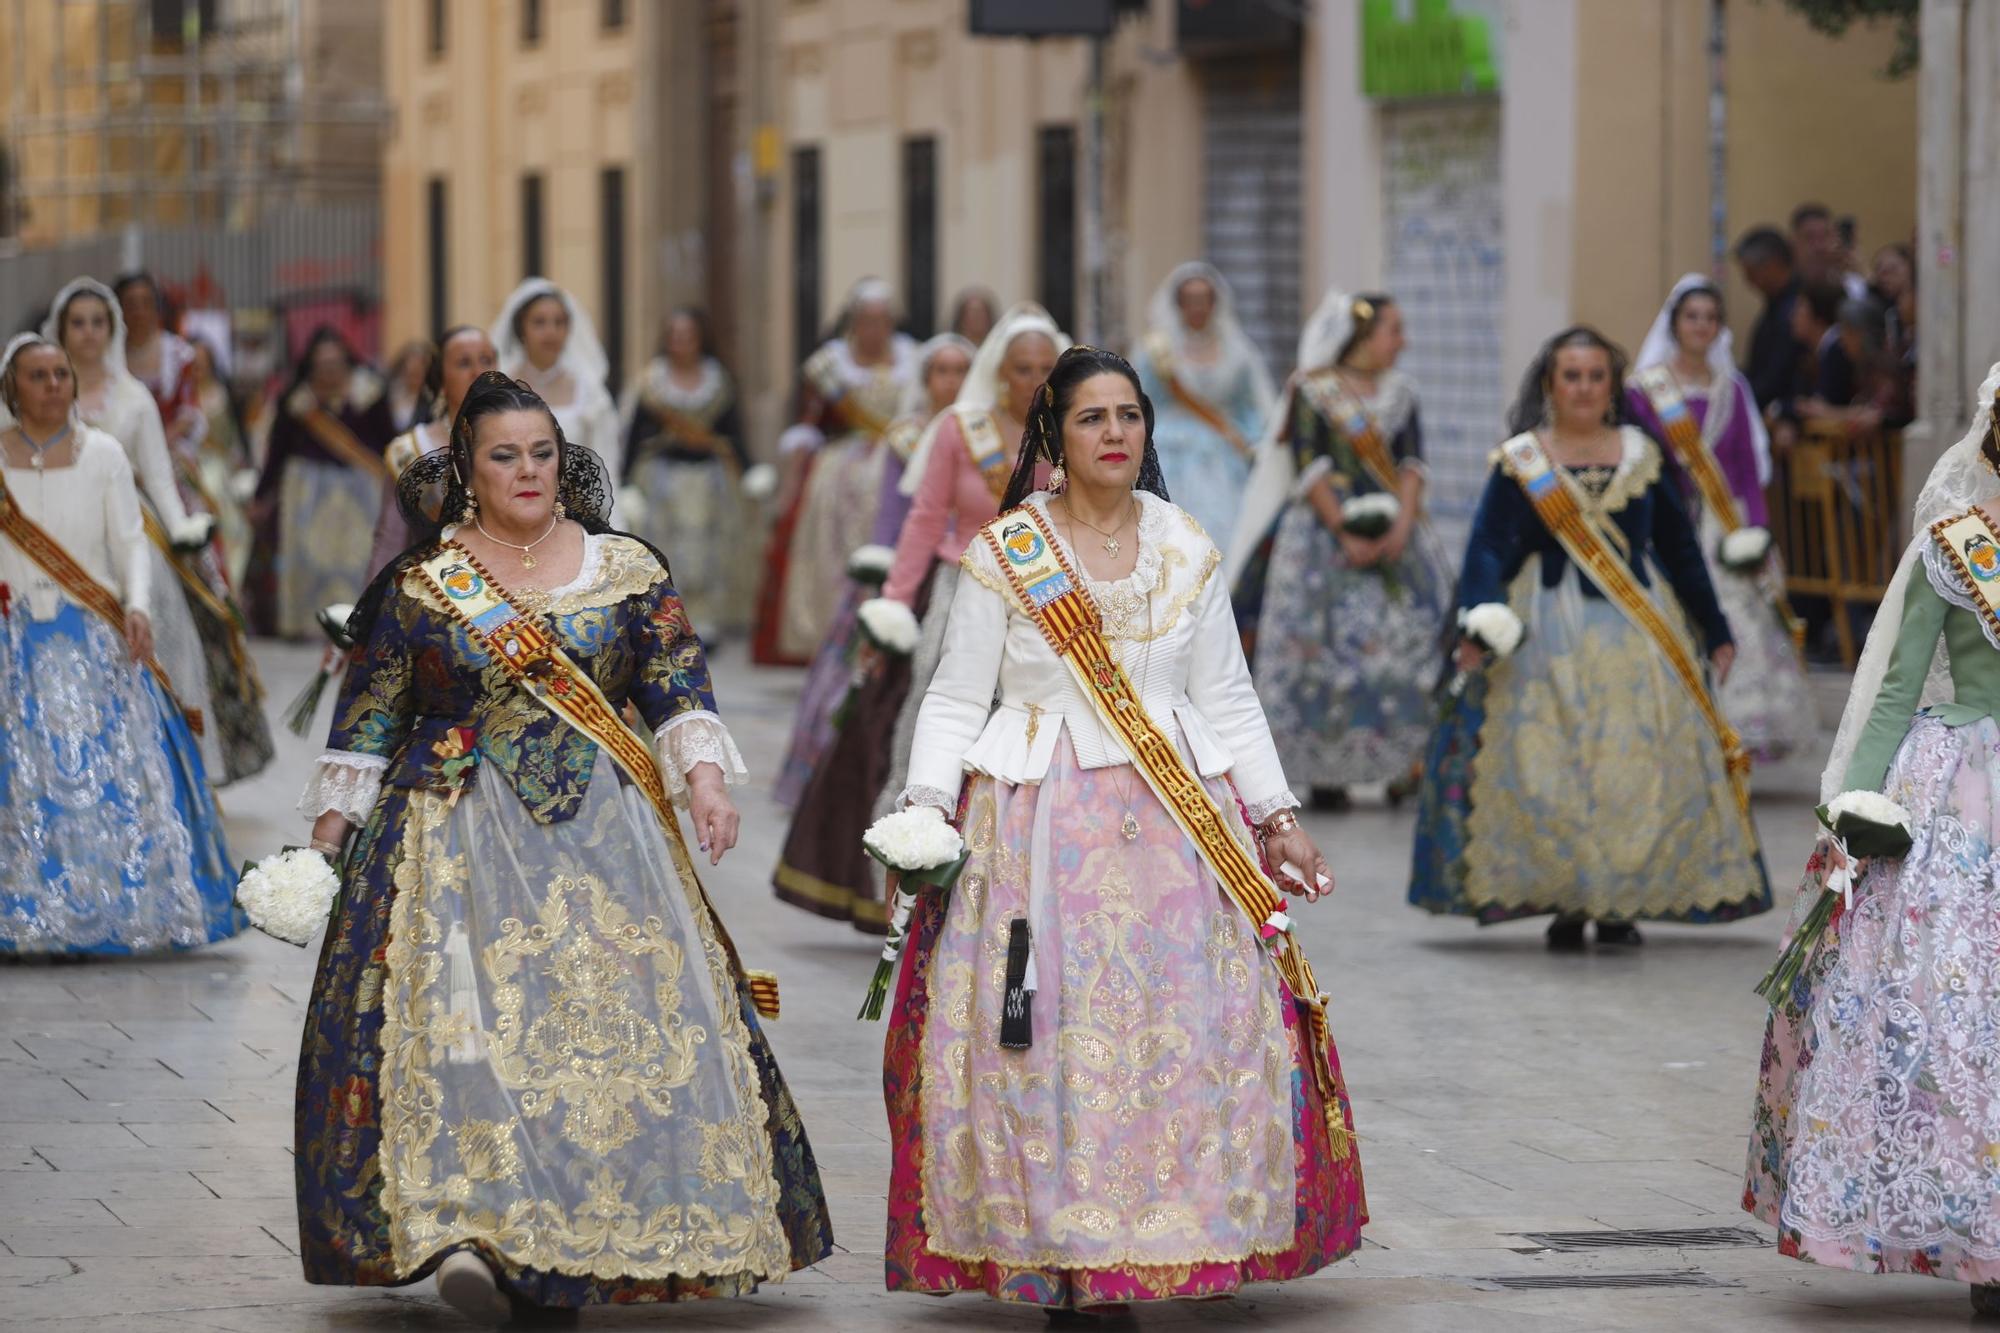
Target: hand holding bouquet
290, 895
1370, 516
869, 565
1745, 550
1863, 824
922, 849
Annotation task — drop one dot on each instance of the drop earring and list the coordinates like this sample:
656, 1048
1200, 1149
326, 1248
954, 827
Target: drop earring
1058, 479
562, 511
469, 511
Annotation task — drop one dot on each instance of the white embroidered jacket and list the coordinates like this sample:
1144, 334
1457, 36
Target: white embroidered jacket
1169, 626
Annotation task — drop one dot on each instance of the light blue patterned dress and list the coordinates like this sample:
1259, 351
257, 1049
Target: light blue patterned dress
1205, 470
110, 840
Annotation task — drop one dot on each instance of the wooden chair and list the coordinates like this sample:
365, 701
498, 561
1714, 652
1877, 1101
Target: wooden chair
1837, 513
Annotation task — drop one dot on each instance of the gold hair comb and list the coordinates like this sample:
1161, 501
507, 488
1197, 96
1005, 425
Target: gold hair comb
1364, 311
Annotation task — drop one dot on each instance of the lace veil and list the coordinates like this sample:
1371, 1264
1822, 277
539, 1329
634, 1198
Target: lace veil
982, 383
582, 354
1960, 480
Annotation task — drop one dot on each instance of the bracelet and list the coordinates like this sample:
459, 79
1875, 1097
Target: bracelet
324, 847
1282, 822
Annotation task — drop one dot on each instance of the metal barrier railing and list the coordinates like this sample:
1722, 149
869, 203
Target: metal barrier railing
1837, 513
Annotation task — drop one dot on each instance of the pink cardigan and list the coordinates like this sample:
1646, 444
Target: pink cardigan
952, 502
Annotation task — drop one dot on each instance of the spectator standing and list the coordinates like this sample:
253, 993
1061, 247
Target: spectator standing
1765, 257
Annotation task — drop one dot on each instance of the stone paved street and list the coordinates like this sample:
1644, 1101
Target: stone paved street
146, 1111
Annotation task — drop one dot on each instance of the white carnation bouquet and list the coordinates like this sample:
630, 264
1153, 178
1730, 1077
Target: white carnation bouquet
1495, 628
920, 848
870, 564
1370, 515
760, 483
289, 896
889, 625
192, 533
243, 485
1745, 550
1863, 824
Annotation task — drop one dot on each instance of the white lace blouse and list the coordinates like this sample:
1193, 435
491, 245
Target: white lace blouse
92, 509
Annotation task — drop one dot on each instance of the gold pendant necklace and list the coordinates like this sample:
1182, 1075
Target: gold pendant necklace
1110, 538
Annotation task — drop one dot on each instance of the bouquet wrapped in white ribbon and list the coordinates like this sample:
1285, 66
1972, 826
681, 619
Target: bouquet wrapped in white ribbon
1370, 515
889, 625
1863, 824
760, 483
1494, 627
870, 564
922, 849
192, 533
289, 895
332, 620
1745, 550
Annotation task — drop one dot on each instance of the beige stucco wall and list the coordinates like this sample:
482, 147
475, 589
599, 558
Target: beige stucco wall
1810, 117
482, 115
859, 76
1642, 178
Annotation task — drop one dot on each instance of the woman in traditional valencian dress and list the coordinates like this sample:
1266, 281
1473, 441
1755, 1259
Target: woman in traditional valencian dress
1068, 1018
1872, 1144
320, 489
1589, 775
110, 842
1346, 625
833, 460
532, 1060
1686, 392
959, 471
1212, 391
464, 353
545, 338
943, 363
162, 360
197, 628
684, 451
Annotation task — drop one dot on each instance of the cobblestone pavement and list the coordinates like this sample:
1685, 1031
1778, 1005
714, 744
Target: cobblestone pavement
146, 1111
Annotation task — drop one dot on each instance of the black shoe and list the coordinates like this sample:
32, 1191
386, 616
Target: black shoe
1566, 934
1986, 1299
1621, 934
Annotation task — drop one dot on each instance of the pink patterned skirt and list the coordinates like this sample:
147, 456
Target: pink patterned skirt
1163, 1137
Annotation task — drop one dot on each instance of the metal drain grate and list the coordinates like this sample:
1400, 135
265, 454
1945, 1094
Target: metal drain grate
1601, 1281
1692, 1238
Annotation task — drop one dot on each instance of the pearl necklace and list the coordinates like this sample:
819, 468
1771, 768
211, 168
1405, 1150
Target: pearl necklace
528, 551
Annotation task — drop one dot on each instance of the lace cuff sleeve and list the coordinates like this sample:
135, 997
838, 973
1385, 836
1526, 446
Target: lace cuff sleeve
346, 782
912, 797
691, 738
1270, 805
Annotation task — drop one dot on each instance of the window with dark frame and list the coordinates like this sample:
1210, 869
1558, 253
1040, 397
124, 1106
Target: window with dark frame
614, 15
437, 230
531, 22
1056, 217
805, 251
920, 212
531, 225
436, 19
611, 248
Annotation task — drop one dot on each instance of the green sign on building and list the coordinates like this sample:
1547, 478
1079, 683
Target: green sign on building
1433, 52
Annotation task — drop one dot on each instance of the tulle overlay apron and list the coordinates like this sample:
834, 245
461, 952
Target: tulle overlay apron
1163, 1137
1766, 697
527, 1039
110, 841
1878, 1105
1545, 789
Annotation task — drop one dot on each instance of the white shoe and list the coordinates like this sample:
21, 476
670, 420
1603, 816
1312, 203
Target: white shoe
467, 1285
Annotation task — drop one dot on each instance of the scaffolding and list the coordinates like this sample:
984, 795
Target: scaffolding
140, 114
